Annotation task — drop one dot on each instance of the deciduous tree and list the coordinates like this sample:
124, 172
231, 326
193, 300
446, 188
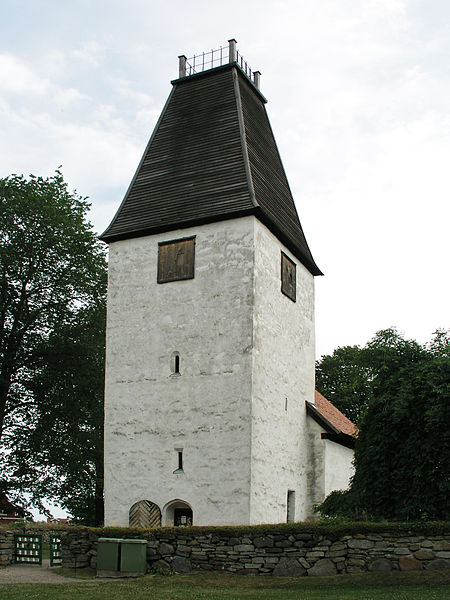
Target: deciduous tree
52, 283
402, 454
345, 378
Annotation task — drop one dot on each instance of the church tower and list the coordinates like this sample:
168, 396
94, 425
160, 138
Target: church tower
210, 331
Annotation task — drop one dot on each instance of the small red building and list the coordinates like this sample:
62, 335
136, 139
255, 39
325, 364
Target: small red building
9, 512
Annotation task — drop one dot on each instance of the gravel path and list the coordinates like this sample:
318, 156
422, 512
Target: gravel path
36, 574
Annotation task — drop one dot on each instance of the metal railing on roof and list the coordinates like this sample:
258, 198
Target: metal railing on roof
207, 60
216, 58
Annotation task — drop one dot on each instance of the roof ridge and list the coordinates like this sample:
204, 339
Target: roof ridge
243, 134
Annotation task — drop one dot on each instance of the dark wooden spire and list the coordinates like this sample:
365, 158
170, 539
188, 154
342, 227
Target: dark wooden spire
211, 157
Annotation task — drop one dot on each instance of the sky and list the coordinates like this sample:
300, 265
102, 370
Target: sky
358, 98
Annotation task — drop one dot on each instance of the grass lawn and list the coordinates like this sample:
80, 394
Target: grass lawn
424, 585
45, 550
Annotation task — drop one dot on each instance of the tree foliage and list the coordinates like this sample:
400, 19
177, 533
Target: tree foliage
345, 379
52, 297
60, 453
402, 454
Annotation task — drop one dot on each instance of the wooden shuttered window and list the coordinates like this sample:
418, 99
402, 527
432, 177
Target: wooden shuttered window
176, 260
288, 277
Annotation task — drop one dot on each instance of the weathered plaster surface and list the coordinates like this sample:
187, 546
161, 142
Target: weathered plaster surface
238, 407
316, 463
338, 466
205, 410
330, 464
283, 379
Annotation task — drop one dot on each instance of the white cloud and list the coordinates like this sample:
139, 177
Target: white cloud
59, 124
17, 77
90, 52
94, 152
128, 90
54, 64
64, 97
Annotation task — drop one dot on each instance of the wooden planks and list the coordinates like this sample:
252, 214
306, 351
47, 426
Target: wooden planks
288, 277
176, 260
145, 514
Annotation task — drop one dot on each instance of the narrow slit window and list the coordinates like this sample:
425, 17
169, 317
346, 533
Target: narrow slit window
175, 364
179, 469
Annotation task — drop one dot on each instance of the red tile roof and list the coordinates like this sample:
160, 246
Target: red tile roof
333, 415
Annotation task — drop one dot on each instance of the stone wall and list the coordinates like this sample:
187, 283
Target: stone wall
272, 551
6, 548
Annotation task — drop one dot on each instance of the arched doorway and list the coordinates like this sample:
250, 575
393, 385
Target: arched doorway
145, 514
178, 513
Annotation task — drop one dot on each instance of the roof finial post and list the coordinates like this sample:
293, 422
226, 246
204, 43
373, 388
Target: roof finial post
257, 78
182, 66
232, 50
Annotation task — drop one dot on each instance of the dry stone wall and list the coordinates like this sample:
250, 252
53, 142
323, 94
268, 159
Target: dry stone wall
272, 552
6, 548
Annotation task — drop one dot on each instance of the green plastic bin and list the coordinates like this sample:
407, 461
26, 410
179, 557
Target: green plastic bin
133, 557
108, 557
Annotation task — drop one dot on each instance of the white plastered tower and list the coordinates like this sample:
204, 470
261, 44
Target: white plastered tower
210, 331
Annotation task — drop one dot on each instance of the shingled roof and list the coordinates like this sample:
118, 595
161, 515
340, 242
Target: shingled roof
212, 156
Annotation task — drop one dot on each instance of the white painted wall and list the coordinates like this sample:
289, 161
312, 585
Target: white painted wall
283, 369
316, 463
338, 466
247, 352
205, 411
331, 465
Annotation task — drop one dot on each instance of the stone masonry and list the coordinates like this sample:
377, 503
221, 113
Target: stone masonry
6, 547
271, 552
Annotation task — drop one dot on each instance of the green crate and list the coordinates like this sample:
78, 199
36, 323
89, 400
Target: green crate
108, 556
133, 557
